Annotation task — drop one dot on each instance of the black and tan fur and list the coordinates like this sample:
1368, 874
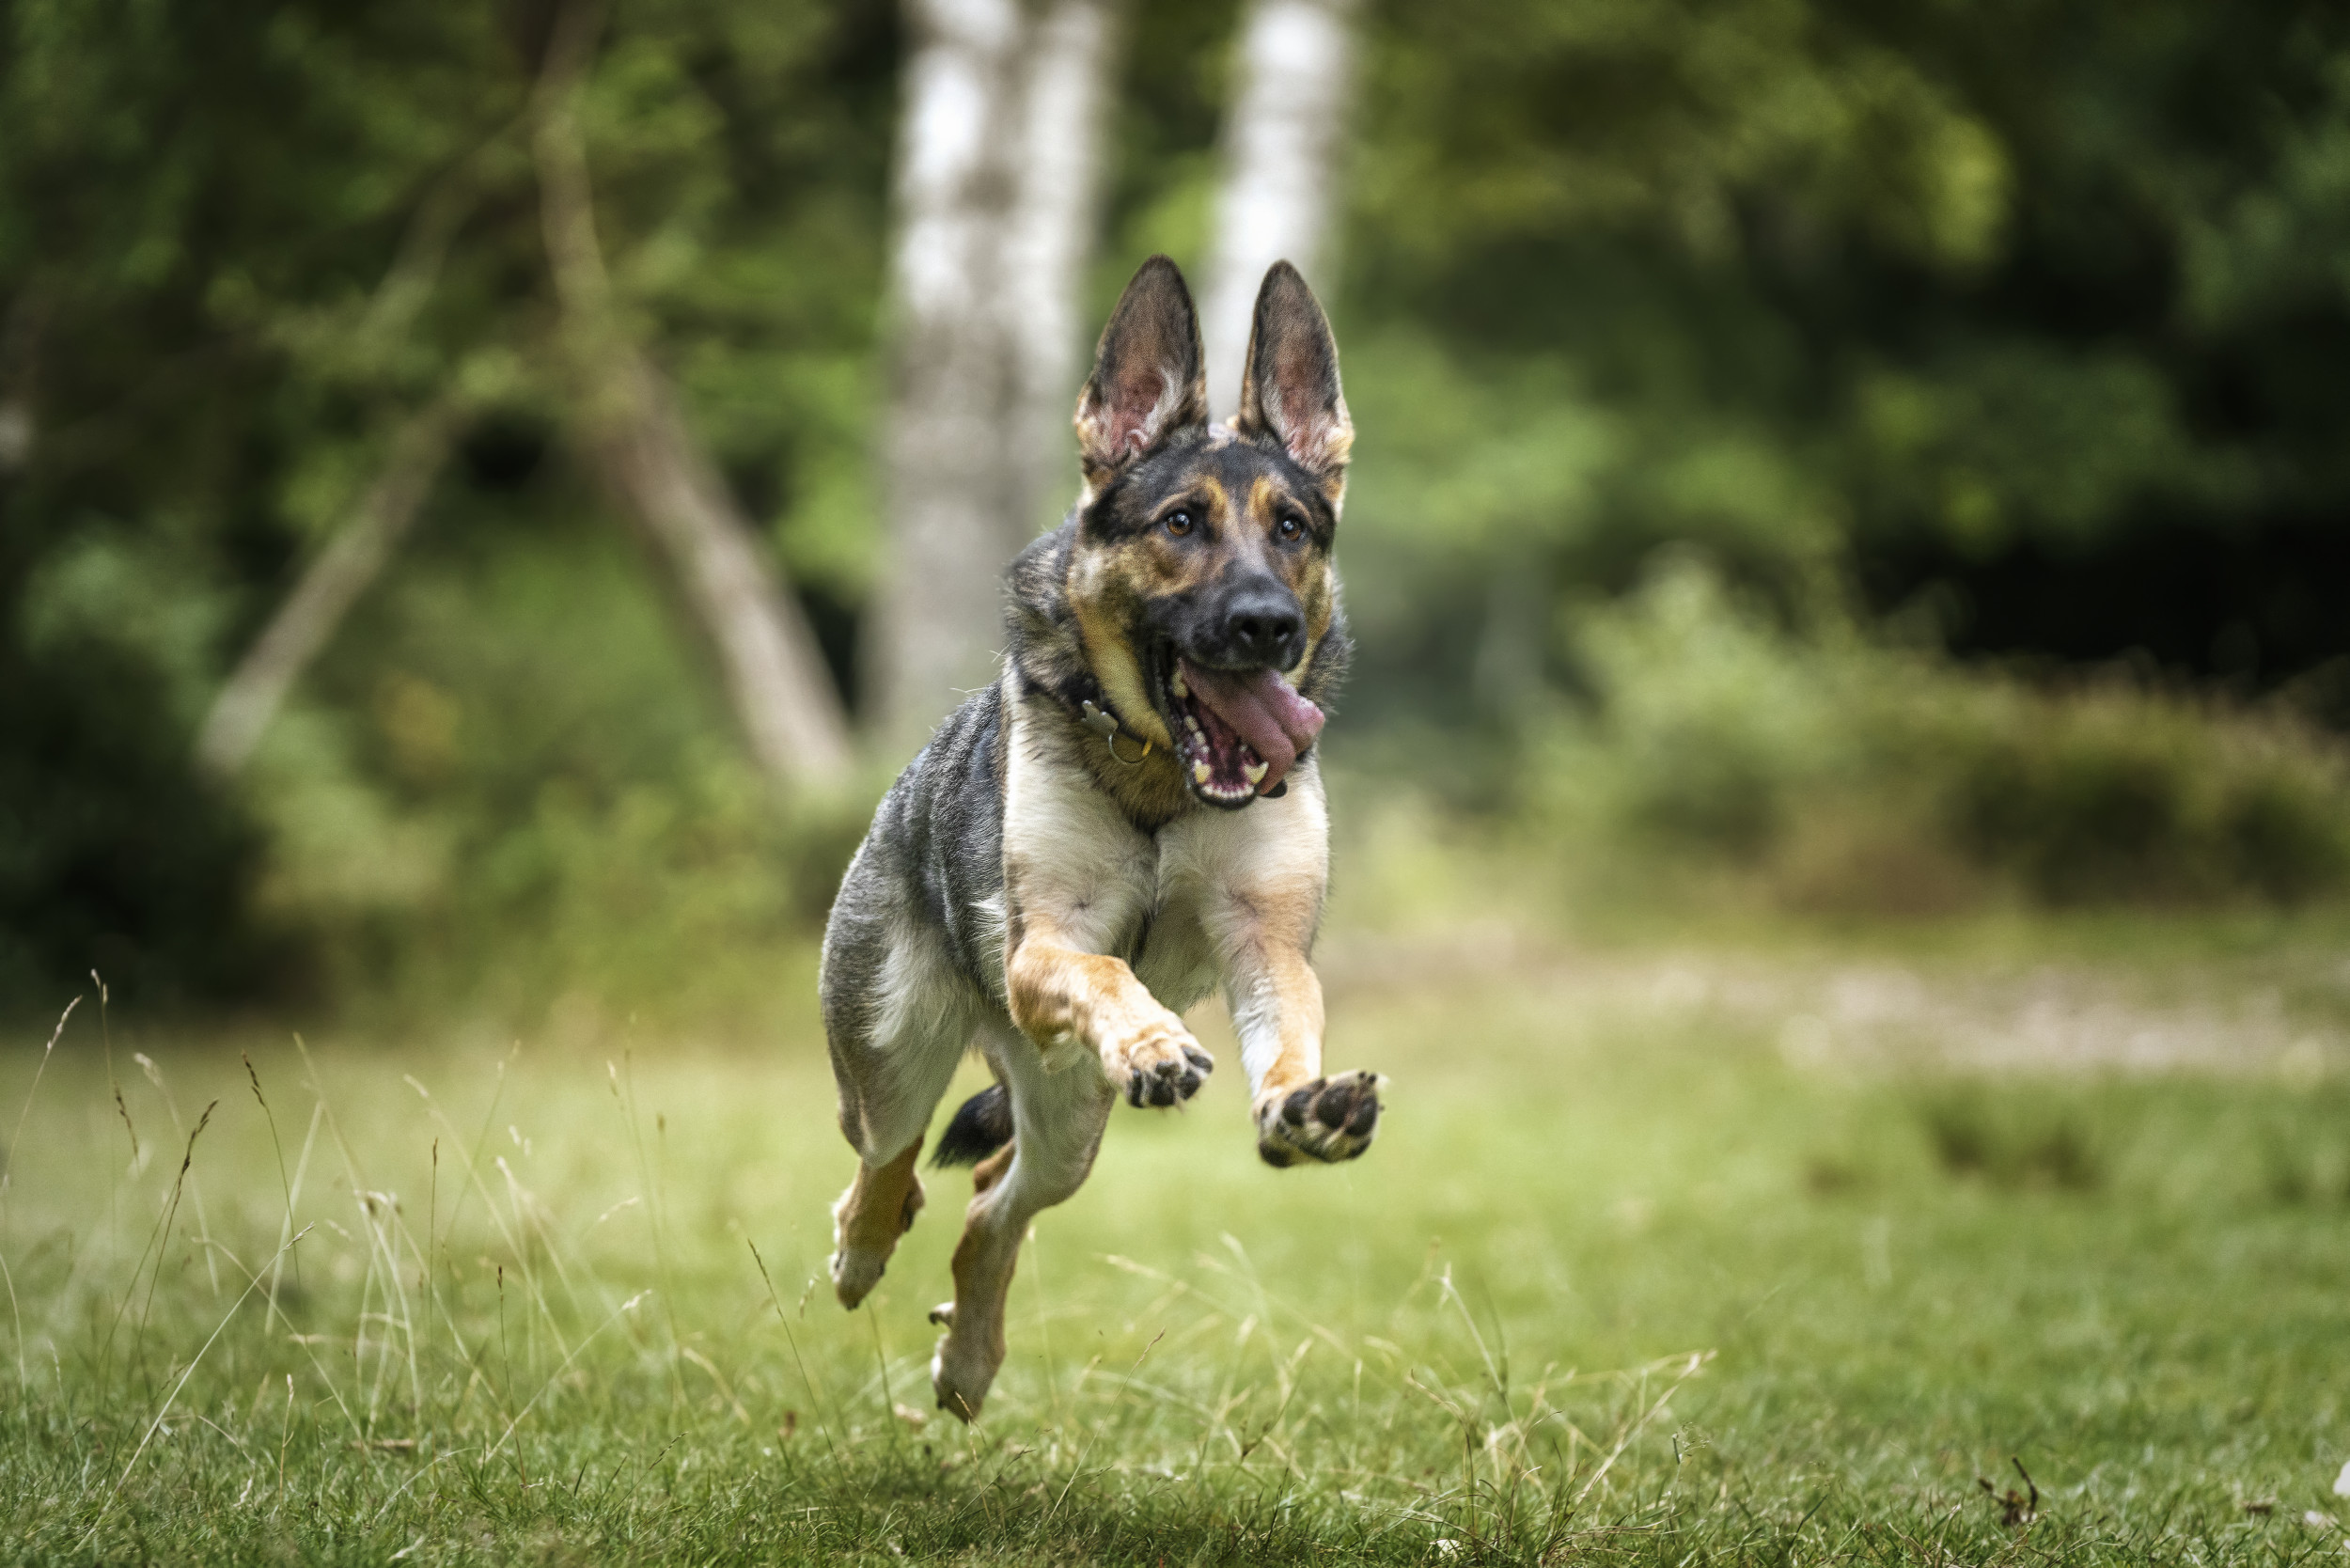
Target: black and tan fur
1056, 897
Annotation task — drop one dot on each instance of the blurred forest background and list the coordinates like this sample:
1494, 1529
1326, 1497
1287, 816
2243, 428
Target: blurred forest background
489, 494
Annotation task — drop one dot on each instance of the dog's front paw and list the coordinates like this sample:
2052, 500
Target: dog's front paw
1157, 1062
1328, 1120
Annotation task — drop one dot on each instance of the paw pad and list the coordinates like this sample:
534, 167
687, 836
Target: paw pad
1170, 1080
1327, 1120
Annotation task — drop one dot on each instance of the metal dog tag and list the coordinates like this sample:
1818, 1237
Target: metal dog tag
1099, 722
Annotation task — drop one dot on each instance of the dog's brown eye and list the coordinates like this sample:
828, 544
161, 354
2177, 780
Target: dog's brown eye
1178, 523
1291, 531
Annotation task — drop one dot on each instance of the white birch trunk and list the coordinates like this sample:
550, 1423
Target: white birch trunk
1278, 195
1055, 219
948, 487
998, 175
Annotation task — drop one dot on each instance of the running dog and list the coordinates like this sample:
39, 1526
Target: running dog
1131, 813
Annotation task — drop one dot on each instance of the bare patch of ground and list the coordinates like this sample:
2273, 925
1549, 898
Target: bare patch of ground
2285, 1013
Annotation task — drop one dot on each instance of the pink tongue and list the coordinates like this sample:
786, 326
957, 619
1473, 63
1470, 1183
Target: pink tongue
1264, 709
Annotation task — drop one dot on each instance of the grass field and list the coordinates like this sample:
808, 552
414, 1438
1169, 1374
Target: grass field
1747, 1253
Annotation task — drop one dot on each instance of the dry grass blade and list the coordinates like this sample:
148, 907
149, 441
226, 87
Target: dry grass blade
7, 1184
1632, 1429
286, 1186
164, 1409
552, 1377
793, 1341
1078, 1469
17, 1138
146, 1309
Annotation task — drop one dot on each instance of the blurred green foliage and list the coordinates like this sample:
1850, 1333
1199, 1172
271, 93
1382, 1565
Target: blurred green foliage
1854, 776
235, 247
1819, 283
507, 808
1794, 288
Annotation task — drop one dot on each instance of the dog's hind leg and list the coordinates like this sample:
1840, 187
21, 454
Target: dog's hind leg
878, 1208
1058, 1119
897, 1029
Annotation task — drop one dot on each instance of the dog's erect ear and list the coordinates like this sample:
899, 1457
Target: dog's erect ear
1290, 390
1150, 374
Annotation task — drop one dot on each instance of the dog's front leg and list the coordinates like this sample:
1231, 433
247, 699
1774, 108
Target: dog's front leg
1275, 1002
1062, 995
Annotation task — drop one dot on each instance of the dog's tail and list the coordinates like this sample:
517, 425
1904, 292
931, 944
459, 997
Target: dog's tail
982, 1126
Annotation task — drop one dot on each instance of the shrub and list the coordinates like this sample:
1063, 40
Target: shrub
2106, 791
520, 791
2011, 1140
1851, 773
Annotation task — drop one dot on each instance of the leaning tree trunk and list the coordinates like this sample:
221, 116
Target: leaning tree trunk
997, 171
331, 584
354, 558
635, 432
776, 675
1280, 190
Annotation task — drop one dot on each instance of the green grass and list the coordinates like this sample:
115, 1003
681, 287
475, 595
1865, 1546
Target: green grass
1621, 1282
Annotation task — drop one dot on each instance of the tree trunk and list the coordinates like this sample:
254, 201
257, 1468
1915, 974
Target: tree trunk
998, 173
302, 626
1279, 191
331, 584
1055, 219
774, 675
947, 486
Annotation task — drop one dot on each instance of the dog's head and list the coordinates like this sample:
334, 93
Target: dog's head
1200, 573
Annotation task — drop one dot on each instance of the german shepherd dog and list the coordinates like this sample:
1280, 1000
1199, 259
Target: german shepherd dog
1131, 812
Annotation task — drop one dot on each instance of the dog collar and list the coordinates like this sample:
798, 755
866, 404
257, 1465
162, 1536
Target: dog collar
1098, 719
1105, 724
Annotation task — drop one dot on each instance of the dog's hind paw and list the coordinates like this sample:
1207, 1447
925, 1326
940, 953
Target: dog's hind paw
1159, 1064
863, 1239
961, 1376
1328, 1120
856, 1271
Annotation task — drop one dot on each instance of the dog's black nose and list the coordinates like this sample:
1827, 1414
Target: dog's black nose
1263, 626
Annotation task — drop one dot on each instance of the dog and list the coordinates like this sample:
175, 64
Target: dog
1131, 813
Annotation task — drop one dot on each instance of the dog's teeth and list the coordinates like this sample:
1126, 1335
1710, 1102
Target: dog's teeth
1199, 771
1256, 775
1181, 690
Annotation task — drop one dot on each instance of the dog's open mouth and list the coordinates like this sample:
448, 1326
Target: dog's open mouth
1236, 731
